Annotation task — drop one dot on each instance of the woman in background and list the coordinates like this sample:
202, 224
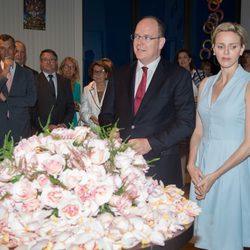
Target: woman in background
184, 59
93, 93
245, 60
207, 67
69, 69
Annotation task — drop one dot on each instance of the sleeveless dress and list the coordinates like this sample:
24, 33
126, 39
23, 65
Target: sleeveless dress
224, 223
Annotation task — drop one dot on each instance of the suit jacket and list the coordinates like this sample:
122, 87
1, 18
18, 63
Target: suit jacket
90, 104
63, 105
166, 115
20, 99
35, 73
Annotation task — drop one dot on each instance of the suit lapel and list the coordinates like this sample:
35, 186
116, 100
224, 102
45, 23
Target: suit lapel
131, 88
59, 87
94, 95
15, 78
154, 86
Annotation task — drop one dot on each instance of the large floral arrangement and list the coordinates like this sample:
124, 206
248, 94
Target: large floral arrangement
76, 189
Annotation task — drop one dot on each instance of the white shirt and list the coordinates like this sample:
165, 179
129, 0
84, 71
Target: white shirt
151, 70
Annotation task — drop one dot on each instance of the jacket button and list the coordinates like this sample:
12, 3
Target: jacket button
133, 127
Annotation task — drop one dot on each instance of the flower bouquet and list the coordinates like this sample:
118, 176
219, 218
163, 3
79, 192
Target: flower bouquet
76, 189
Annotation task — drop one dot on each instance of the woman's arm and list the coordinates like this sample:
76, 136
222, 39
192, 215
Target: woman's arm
85, 109
194, 170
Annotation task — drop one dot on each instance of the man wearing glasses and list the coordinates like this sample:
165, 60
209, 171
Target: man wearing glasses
153, 103
54, 94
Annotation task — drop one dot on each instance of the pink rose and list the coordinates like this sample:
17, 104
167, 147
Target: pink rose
31, 205
119, 204
24, 190
54, 165
70, 210
71, 177
82, 191
99, 151
53, 195
42, 180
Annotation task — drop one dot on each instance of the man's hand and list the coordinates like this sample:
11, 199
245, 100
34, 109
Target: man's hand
61, 125
2, 97
52, 126
7, 64
140, 145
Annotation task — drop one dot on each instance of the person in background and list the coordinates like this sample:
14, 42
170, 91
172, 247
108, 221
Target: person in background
207, 67
245, 60
17, 93
184, 59
69, 69
108, 62
220, 146
21, 56
93, 93
55, 96
152, 103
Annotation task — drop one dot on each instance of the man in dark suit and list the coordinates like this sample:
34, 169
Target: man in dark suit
17, 93
21, 56
166, 114
54, 94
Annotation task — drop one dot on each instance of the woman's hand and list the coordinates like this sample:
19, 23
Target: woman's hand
195, 173
77, 106
94, 120
206, 183
196, 177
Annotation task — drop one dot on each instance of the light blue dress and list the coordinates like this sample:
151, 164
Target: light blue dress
224, 223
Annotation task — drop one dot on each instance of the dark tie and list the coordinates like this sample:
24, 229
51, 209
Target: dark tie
51, 85
141, 90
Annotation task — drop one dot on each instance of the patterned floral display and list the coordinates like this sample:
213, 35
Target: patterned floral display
74, 189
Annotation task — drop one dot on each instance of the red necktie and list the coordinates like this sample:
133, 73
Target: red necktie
141, 90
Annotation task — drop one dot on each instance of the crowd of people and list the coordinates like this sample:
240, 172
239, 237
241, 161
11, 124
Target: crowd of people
156, 105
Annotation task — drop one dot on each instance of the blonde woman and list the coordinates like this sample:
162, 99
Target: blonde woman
220, 145
69, 69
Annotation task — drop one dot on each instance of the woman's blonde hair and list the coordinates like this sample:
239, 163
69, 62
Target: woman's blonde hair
234, 27
76, 75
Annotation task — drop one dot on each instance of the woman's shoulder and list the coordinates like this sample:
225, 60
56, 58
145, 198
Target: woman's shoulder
90, 86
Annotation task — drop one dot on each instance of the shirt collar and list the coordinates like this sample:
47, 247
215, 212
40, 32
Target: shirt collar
150, 66
47, 74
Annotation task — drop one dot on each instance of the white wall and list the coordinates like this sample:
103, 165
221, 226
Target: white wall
63, 29
245, 19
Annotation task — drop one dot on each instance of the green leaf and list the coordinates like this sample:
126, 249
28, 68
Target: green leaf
120, 191
15, 178
106, 209
152, 161
55, 212
6, 152
77, 144
56, 182
45, 128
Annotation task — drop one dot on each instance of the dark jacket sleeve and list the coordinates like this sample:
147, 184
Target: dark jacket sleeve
107, 114
69, 108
